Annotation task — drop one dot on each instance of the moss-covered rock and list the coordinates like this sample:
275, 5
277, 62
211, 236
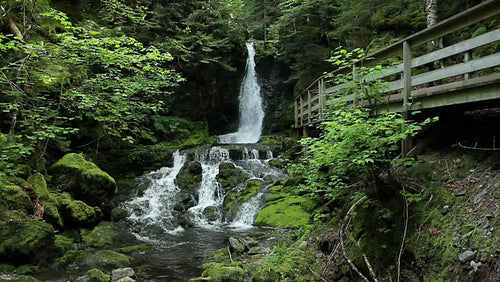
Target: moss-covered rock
216, 272
25, 240
78, 213
64, 244
102, 236
230, 176
96, 275
188, 180
137, 249
7, 268
39, 184
27, 269
118, 214
285, 212
84, 180
25, 278
235, 198
12, 197
106, 259
51, 213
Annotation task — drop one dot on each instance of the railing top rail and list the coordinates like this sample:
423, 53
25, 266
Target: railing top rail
468, 17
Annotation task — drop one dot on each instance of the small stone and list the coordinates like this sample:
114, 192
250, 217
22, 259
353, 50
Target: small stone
475, 265
120, 273
460, 193
467, 256
126, 279
445, 210
489, 216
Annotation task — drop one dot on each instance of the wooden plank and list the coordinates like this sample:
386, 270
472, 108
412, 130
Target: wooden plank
458, 48
457, 85
338, 87
458, 69
407, 79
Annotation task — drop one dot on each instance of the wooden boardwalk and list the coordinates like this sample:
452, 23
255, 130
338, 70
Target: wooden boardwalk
466, 72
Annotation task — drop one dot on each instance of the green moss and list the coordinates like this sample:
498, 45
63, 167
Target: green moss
51, 213
101, 236
215, 272
234, 198
7, 268
39, 184
64, 244
25, 239
84, 180
230, 176
107, 259
118, 214
27, 269
80, 214
285, 213
12, 198
96, 275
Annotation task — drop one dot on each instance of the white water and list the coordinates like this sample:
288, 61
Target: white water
154, 214
155, 206
251, 111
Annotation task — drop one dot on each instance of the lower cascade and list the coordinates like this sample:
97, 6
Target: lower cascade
208, 187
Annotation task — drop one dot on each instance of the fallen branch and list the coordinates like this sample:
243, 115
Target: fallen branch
404, 236
341, 235
310, 269
229, 252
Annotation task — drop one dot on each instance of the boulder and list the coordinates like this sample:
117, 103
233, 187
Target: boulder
236, 245
120, 273
12, 197
231, 176
39, 184
188, 180
102, 236
78, 213
94, 275
24, 239
84, 180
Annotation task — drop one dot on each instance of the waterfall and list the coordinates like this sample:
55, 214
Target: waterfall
251, 111
158, 211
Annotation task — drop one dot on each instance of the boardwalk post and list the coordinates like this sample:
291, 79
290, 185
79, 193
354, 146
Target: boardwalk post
467, 57
406, 144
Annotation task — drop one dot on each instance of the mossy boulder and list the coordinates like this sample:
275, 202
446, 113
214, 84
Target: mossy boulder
39, 184
106, 259
188, 180
51, 213
118, 214
25, 240
231, 176
27, 269
12, 197
284, 208
137, 249
64, 244
78, 213
84, 180
25, 278
219, 272
102, 236
235, 198
95, 275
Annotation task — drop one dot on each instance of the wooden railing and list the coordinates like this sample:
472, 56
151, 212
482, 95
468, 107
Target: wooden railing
467, 71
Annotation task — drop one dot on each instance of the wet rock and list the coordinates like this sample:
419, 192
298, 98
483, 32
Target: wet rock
258, 250
211, 213
94, 275
230, 176
467, 256
118, 214
121, 273
236, 245
445, 210
188, 180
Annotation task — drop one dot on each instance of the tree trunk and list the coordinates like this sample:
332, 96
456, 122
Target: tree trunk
12, 25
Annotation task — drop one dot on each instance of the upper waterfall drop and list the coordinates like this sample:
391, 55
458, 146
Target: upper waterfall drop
251, 111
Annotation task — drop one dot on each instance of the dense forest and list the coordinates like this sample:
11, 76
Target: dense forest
95, 93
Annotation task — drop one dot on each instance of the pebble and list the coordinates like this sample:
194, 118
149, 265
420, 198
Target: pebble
467, 256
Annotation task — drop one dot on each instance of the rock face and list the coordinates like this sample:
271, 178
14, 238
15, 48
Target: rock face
230, 176
24, 239
84, 180
188, 180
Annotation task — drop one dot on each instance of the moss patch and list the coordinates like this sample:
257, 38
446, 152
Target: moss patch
286, 213
101, 236
78, 213
39, 184
224, 273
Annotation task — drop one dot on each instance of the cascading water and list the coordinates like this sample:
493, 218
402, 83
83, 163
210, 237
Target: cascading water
251, 111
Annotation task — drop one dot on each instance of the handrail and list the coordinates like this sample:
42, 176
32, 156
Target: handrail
309, 107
